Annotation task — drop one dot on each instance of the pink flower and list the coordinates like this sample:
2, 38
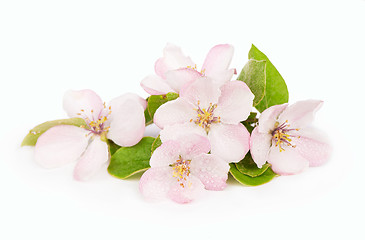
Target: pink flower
206, 109
181, 169
122, 121
284, 139
174, 69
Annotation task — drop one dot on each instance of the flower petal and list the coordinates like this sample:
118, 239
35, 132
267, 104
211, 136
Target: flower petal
286, 162
60, 145
119, 101
235, 103
228, 141
203, 91
313, 145
193, 145
165, 154
176, 79
218, 59
127, 122
173, 58
173, 112
260, 144
211, 170
223, 77
269, 117
176, 131
92, 160
155, 85
155, 183
85, 101
188, 193
301, 113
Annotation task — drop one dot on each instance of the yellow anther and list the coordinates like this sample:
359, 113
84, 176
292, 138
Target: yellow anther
281, 136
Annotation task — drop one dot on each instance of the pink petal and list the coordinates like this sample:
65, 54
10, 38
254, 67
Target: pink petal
223, 77
313, 145
286, 162
193, 145
176, 131
235, 102
176, 79
301, 113
87, 100
191, 191
165, 154
202, 90
260, 144
118, 101
173, 58
269, 117
60, 145
218, 59
155, 85
127, 122
92, 160
211, 170
174, 112
228, 141
155, 183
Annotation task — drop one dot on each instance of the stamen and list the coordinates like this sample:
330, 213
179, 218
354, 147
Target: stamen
282, 137
181, 171
96, 126
205, 117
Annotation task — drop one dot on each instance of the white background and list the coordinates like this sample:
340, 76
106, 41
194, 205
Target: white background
48, 47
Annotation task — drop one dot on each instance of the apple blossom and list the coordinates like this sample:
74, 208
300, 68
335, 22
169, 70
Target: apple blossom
122, 121
206, 109
181, 169
284, 139
174, 69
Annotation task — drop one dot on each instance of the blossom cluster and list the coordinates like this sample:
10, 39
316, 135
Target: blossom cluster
209, 128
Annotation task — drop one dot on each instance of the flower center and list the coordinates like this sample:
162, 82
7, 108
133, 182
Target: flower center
281, 135
97, 126
205, 117
181, 171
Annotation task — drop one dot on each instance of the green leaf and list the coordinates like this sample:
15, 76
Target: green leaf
156, 144
250, 122
155, 101
266, 177
254, 75
276, 91
127, 161
147, 116
113, 147
248, 167
36, 132
172, 96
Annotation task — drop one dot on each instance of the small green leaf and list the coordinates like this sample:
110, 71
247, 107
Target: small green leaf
248, 167
266, 177
156, 144
254, 75
36, 132
155, 101
127, 161
276, 91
